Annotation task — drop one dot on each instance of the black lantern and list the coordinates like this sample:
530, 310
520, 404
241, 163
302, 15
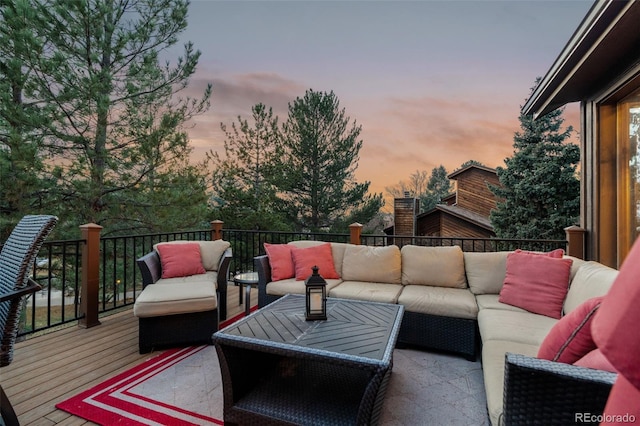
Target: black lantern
316, 296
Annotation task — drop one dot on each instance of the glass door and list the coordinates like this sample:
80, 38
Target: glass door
629, 169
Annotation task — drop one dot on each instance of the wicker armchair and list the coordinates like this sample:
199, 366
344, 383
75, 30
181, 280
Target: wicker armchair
188, 328
546, 393
16, 260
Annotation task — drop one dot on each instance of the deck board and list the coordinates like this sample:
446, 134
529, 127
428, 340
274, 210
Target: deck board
52, 367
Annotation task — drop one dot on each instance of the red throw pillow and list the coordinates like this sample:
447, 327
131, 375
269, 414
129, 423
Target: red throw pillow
596, 360
536, 283
570, 338
180, 260
280, 261
321, 256
556, 254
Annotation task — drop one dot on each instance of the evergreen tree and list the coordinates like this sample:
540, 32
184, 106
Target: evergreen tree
244, 190
317, 165
116, 137
539, 194
438, 187
22, 190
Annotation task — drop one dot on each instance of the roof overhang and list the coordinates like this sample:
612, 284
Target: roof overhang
605, 45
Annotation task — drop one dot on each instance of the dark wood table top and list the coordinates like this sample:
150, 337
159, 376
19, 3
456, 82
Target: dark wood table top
363, 331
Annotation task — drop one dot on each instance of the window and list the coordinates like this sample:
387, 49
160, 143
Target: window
629, 168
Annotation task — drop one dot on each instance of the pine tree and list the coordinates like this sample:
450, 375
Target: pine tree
23, 189
115, 132
539, 194
244, 190
438, 187
317, 166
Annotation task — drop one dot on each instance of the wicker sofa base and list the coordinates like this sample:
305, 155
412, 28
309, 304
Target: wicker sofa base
457, 335
449, 334
565, 391
177, 330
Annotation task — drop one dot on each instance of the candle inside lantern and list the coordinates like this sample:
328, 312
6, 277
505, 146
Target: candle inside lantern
316, 301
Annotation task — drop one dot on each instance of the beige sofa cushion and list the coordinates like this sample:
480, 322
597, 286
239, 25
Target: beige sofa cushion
337, 251
372, 264
433, 266
210, 251
591, 280
161, 299
443, 301
486, 271
522, 327
210, 276
490, 301
293, 286
493, 353
368, 291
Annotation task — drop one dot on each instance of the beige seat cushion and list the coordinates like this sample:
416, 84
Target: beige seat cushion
486, 271
490, 301
292, 286
493, 353
210, 251
337, 251
443, 301
210, 276
591, 280
368, 291
521, 327
162, 299
372, 264
433, 266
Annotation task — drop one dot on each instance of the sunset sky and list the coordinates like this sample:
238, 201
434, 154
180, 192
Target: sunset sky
431, 82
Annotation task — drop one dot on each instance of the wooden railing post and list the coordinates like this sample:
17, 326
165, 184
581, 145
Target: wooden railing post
576, 241
355, 229
216, 229
90, 275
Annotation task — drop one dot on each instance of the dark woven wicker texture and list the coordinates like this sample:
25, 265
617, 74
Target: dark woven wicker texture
541, 392
457, 335
16, 260
176, 330
16, 263
295, 378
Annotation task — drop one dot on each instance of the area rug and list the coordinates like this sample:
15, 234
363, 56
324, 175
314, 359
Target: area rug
178, 387
183, 387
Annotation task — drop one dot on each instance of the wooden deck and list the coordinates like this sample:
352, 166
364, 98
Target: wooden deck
55, 366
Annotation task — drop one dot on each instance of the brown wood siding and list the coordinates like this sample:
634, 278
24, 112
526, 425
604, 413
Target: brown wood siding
429, 226
474, 193
405, 210
456, 227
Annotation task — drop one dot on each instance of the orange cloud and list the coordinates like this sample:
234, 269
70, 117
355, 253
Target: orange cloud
400, 134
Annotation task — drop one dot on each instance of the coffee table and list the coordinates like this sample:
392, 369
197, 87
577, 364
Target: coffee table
278, 368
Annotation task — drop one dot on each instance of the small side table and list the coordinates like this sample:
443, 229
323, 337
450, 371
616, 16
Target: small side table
248, 280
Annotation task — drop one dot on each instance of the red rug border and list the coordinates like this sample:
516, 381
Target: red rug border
78, 407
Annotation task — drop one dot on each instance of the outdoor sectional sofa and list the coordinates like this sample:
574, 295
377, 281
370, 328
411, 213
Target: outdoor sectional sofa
452, 302
183, 307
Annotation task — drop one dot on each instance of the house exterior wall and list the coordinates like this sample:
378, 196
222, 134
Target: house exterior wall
473, 192
606, 211
440, 224
430, 225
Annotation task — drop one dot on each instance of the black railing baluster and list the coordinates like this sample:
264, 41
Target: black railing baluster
120, 253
